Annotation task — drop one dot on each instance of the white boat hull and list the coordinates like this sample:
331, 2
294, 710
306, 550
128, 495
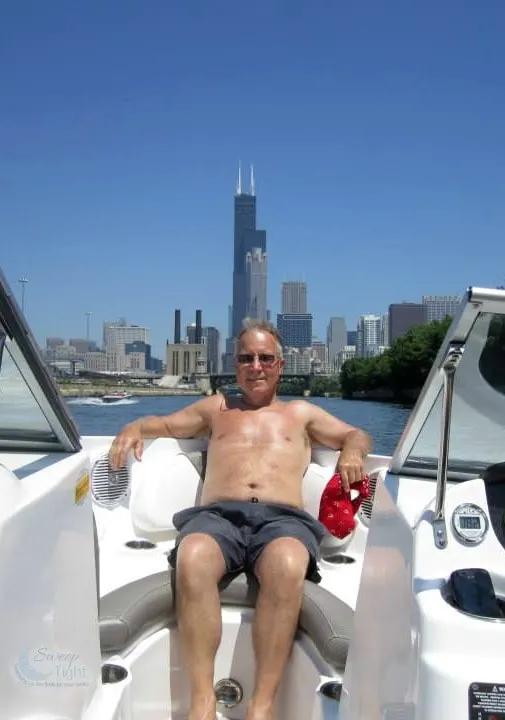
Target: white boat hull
143, 694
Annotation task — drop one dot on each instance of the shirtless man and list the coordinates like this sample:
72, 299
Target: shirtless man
259, 449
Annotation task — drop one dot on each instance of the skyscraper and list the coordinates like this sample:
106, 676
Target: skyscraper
294, 297
295, 329
247, 240
336, 337
403, 316
368, 336
439, 306
256, 284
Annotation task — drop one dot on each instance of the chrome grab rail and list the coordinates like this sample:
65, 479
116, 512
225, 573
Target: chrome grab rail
454, 355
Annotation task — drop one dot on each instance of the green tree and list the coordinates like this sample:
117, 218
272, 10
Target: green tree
402, 369
291, 386
325, 384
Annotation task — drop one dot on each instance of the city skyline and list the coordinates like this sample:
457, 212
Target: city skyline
294, 321
374, 331
435, 308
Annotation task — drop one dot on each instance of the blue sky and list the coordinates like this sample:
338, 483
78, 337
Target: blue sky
376, 130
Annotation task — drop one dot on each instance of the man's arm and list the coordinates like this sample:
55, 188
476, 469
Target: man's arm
354, 444
192, 421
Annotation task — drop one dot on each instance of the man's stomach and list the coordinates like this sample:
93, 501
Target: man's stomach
267, 488
271, 472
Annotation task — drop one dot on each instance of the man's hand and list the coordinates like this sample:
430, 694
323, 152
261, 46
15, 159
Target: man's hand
128, 439
350, 465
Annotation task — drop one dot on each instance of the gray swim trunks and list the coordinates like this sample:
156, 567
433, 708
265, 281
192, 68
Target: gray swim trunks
243, 529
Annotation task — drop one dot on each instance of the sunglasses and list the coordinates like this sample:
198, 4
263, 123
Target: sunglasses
265, 359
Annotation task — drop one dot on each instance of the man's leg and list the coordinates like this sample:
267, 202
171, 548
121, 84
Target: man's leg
200, 566
281, 571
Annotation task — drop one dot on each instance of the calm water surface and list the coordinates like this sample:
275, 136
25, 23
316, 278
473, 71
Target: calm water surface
383, 421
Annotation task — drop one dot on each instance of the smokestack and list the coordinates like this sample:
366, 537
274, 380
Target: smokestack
177, 328
198, 333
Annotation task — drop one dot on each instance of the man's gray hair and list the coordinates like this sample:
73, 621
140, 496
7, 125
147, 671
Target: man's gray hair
254, 324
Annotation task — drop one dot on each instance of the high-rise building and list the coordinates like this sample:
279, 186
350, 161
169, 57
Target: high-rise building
117, 334
440, 306
368, 336
403, 316
211, 339
295, 329
293, 297
336, 338
385, 330
351, 337
319, 351
256, 284
246, 238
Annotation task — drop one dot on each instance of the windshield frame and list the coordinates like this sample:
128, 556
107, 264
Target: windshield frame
28, 359
475, 302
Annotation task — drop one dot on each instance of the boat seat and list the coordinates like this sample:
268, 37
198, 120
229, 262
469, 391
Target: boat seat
136, 610
167, 481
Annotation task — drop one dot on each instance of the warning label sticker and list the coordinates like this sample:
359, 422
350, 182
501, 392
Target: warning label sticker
82, 489
486, 701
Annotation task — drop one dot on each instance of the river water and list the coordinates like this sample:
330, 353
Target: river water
383, 421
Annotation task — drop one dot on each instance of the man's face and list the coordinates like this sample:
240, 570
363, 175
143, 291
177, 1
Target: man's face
258, 363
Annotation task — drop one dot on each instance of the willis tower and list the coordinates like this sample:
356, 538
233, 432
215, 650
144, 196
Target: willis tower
249, 260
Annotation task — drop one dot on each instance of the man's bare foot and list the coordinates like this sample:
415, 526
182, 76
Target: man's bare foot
204, 709
263, 711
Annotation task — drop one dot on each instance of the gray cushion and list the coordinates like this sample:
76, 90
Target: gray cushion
140, 608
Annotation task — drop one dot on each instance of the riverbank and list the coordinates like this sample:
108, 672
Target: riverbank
91, 391
385, 395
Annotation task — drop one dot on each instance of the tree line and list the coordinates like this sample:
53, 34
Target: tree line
400, 372
326, 385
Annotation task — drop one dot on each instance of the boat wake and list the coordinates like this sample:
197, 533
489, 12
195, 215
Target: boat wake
99, 401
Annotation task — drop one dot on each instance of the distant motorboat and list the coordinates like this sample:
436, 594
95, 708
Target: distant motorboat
116, 397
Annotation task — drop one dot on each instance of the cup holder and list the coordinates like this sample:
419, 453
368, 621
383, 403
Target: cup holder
331, 690
113, 673
140, 544
336, 558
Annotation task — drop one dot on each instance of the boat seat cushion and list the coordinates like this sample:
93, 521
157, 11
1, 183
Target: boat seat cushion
163, 483
142, 607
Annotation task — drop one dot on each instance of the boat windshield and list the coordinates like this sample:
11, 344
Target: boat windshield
33, 415
477, 430
21, 418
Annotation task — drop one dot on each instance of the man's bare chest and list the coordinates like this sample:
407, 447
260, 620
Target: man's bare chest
256, 428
